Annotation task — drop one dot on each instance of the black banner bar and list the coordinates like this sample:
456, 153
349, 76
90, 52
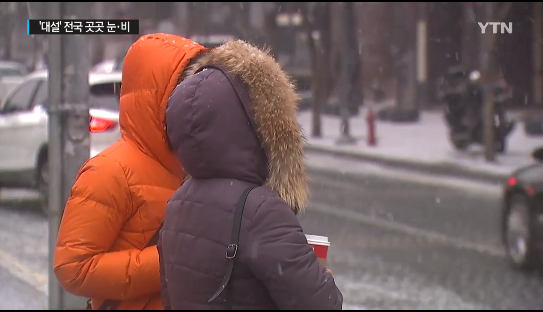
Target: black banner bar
83, 27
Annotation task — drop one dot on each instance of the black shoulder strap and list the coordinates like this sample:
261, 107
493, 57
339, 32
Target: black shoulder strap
232, 249
114, 304
154, 239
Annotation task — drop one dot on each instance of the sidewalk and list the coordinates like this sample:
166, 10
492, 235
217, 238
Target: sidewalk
423, 146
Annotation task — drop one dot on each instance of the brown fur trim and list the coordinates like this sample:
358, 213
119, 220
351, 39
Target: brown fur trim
274, 103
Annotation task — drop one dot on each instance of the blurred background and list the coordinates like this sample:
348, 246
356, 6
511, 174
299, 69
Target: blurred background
421, 138
385, 34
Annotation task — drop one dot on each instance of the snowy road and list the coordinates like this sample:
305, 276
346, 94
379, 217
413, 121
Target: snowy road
398, 242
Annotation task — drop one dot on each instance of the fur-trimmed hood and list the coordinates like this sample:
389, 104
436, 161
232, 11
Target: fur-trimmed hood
235, 118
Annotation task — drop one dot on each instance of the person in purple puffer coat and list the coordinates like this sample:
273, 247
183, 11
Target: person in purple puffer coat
233, 125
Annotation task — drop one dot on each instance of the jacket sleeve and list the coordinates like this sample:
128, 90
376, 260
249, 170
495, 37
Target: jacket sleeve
99, 206
164, 286
283, 260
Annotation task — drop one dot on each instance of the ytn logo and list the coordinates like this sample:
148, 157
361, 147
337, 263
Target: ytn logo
503, 27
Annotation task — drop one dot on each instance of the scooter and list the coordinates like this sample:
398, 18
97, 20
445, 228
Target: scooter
463, 97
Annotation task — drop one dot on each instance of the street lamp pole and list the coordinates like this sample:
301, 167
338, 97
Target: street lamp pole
347, 62
422, 54
68, 130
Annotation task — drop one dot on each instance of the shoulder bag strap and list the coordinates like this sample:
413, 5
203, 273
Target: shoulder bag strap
114, 304
232, 249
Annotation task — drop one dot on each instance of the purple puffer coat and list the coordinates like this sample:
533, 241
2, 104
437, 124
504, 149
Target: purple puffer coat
233, 125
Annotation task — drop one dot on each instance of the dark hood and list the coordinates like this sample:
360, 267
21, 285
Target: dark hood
235, 118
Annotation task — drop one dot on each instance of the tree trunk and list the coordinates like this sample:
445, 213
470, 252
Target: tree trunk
355, 64
348, 70
318, 53
192, 19
241, 12
318, 88
470, 37
488, 97
325, 39
98, 45
271, 32
8, 30
488, 76
538, 54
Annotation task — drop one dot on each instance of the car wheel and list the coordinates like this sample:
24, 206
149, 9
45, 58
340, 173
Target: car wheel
43, 182
519, 243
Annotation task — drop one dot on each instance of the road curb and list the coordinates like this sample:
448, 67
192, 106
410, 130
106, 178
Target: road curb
445, 169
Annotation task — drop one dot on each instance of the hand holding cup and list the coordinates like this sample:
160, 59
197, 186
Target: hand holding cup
320, 245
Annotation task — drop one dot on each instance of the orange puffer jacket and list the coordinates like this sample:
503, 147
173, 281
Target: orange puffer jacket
119, 197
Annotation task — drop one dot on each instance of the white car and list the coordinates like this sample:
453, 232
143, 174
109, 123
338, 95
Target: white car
109, 66
8, 83
24, 127
11, 74
12, 69
104, 67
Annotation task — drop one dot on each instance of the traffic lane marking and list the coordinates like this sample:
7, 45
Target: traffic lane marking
35, 279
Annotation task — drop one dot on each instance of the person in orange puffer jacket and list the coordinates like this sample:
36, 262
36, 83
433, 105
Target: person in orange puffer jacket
118, 200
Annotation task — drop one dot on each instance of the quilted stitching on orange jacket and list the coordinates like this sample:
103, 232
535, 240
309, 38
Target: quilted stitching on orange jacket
119, 197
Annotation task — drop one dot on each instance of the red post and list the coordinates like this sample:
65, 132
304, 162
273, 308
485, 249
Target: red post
370, 121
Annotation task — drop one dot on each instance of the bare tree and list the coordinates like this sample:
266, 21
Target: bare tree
7, 17
98, 42
489, 73
192, 18
240, 12
537, 54
316, 23
37, 10
470, 36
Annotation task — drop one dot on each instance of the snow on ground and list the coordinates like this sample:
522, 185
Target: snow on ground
425, 141
402, 290
329, 163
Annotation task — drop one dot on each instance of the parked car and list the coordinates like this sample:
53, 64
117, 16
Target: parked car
109, 66
12, 69
11, 74
7, 84
522, 215
104, 67
24, 127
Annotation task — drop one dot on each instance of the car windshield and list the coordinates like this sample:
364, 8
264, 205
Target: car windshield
105, 96
11, 72
118, 64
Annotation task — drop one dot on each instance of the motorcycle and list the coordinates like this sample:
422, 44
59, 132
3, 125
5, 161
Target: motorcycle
463, 95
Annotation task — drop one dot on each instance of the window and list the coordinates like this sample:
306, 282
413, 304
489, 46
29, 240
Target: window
105, 96
41, 95
11, 72
19, 100
118, 64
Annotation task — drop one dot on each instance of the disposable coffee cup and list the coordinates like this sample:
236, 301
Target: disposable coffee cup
320, 245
